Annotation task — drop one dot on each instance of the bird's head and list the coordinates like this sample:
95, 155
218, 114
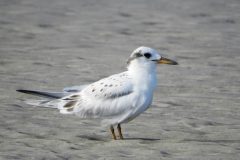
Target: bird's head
146, 56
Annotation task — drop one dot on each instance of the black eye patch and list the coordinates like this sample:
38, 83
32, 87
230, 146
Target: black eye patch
147, 55
138, 54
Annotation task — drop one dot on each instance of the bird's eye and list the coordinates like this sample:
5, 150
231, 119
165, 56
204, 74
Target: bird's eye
147, 55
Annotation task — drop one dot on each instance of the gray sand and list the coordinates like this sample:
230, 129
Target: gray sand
53, 44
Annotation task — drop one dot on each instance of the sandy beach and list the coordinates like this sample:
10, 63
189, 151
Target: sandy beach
48, 45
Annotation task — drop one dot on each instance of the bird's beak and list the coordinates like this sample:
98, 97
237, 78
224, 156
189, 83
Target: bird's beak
163, 60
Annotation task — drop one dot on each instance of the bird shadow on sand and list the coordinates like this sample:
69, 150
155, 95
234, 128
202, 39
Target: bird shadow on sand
98, 138
143, 139
92, 137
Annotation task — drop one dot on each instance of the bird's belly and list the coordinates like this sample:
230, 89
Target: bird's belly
134, 106
143, 103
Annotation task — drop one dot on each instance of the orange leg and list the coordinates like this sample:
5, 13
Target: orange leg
120, 131
113, 134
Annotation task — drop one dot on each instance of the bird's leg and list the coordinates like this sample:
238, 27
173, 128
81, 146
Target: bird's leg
120, 131
113, 134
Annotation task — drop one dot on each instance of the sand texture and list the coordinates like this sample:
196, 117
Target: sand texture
47, 45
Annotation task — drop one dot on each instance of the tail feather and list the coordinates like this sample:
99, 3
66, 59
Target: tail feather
66, 106
54, 95
42, 103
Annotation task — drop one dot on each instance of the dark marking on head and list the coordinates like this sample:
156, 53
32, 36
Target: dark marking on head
105, 85
110, 85
138, 54
135, 55
93, 90
101, 90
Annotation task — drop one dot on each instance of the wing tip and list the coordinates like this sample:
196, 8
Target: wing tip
27, 91
22, 90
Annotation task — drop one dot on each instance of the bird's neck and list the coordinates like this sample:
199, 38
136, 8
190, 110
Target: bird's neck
143, 76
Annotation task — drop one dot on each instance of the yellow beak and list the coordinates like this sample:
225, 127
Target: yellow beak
166, 61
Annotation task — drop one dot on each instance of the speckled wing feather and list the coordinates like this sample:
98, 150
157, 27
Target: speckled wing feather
115, 86
99, 98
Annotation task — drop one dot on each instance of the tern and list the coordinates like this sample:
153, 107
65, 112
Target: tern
116, 99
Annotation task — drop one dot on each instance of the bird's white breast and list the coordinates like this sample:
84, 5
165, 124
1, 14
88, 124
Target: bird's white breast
144, 84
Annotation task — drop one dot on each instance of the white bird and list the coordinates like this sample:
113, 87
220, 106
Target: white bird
116, 99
